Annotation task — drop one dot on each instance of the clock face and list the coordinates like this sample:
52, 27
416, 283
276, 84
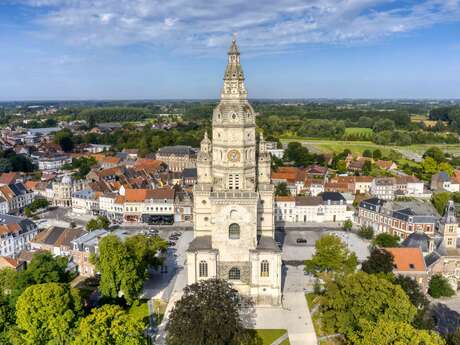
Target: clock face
233, 155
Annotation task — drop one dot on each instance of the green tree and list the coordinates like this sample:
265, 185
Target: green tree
379, 261
367, 153
447, 168
384, 125
47, 313
207, 314
367, 168
281, 189
436, 153
429, 166
453, 338
341, 167
331, 255
412, 290
386, 240
5, 165
359, 297
100, 222
119, 275
123, 265
440, 287
440, 200
64, 138
110, 325
366, 232
394, 332
347, 225
377, 154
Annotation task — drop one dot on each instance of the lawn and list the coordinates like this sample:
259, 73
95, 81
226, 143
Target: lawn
358, 130
267, 336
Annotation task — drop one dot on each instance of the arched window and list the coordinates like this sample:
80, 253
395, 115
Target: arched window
234, 273
203, 269
264, 268
234, 231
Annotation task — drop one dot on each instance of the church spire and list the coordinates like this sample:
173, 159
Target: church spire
234, 77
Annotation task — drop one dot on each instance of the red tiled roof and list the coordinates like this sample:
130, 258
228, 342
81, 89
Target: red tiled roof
8, 178
408, 259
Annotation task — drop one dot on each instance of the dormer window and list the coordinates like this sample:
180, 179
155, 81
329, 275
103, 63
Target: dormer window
411, 266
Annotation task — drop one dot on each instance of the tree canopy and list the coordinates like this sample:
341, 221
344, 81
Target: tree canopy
379, 261
207, 314
331, 255
110, 325
395, 332
47, 313
440, 287
358, 297
386, 240
123, 265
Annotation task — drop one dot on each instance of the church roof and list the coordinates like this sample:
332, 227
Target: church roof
268, 244
200, 243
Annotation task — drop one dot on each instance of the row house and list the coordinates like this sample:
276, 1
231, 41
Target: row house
56, 240
177, 157
327, 207
15, 234
355, 184
149, 205
17, 196
383, 188
50, 162
293, 177
86, 201
398, 218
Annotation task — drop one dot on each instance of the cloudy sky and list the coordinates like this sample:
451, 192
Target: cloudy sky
151, 49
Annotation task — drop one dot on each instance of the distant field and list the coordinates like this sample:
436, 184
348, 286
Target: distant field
358, 130
357, 147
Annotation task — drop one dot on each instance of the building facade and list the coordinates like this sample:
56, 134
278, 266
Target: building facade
233, 199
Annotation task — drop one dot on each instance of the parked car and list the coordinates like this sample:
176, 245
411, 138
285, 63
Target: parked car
301, 241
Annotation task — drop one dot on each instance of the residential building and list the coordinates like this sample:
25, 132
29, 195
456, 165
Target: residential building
383, 188
15, 234
85, 201
51, 162
327, 207
292, 176
17, 196
57, 240
386, 165
443, 182
273, 150
177, 157
399, 218
85, 246
410, 186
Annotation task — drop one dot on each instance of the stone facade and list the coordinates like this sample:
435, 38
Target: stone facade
233, 199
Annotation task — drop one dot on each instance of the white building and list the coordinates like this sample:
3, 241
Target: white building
4, 209
15, 234
51, 163
384, 188
17, 196
233, 199
328, 207
85, 201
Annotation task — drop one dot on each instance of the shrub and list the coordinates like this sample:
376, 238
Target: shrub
366, 232
440, 287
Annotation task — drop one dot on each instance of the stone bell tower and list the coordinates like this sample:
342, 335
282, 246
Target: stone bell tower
448, 226
233, 199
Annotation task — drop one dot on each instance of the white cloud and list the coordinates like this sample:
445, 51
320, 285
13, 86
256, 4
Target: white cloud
261, 24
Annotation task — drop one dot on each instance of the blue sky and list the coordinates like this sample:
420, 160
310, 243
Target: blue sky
156, 49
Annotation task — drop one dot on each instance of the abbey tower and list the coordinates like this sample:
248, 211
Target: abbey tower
233, 199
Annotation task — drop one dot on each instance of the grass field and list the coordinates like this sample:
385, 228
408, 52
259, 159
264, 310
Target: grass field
357, 147
267, 336
358, 130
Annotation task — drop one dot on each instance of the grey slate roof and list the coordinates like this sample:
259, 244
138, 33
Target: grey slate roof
200, 243
268, 244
